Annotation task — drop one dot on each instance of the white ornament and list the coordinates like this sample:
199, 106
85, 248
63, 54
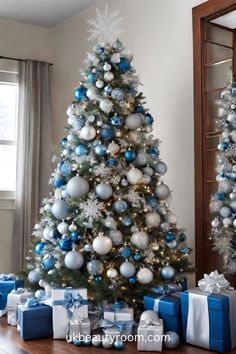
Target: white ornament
104, 191
106, 106
96, 340
225, 186
102, 244
113, 148
91, 210
107, 67
115, 58
91, 93
77, 187
99, 84
110, 223
140, 239
107, 342
134, 176
74, 260
146, 179
233, 136
162, 191
116, 237
47, 232
127, 269
60, 209
112, 273
72, 227
58, 193
127, 54
63, 228
108, 76
134, 121
153, 220
149, 315
37, 227
172, 218
227, 222
144, 276
88, 133
234, 222
71, 110
172, 244
215, 223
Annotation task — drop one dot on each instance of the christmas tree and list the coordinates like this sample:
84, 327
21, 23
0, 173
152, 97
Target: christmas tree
107, 224
223, 203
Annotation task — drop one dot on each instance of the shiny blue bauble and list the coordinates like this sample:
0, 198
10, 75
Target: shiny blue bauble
153, 151
65, 169
169, 237
55, 234
152, 202
129, 155
49, 263
125, 252
139, 109
65, 244
100, 50
75, 237
167, 272
123, 65
59, 182
39, 247
137, 257
81, 150
224, 146
184, 250
97, 279
108, 89
100, 150
87, 341
182, 237
231, 176
132, 280
91, 78
233, 243
149, 119
77, 341
219, 196
80, 93
222, 174
107, 133
126, 221
115, 121
112, 161
120, 206
64, 142
118, 344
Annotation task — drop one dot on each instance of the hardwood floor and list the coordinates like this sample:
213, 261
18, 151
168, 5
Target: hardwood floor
11, 343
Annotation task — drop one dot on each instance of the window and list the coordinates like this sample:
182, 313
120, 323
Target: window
8, 123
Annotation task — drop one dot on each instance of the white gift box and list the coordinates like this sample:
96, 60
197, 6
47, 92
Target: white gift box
79, 327
12, 301
126, 314
150, 336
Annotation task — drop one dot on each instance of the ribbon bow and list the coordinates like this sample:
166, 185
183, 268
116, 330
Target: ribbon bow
71, 302
33, 302
214, 283
6, 277
146, 323
166, 289
18, 291
118, 305
119, 325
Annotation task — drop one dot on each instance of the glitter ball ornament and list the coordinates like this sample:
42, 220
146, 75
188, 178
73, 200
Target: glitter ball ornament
77, 187
60, 209
104, 191
140, 239
117, 94
144, 276
153, 220
110, 222
171, 340
116, 237
162, 191
120, 206
106, 106
225, 186
102, 244
149, 315
127, 269
94, 267
160, 168
74, 260
134, 176
115, 121
133, 121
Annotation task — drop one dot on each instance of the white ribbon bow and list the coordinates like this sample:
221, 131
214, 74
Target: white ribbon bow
214, 283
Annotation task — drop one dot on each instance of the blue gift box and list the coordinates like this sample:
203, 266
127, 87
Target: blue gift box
168, 310
6, 286
219, 321
35, 322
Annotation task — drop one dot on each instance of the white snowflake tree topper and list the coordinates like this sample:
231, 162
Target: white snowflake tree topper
105, 27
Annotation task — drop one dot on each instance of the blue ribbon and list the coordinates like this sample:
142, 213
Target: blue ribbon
33, 302
7, 277
119, 325
118, 305
71, 302
166, 289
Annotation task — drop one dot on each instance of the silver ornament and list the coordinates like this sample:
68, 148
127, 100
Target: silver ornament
127, 269
227, 222
117, 94
116, 237
47, 232
225, 186
60, 209
134, 176
171, 340
34, 276
88, 133
134, 121
91, 93
63, 228
225, 212
108, 76
106, 106
107, 342
72, 227
142, 159
77, 187
144, 276
149, 315
96, 340
172, 244
110, 222
160, 168
153, 220
162, 191
112, 273
102, 244
74, 260
167, 272
215, 206
104, 191
94, 267
99, 84
140, 239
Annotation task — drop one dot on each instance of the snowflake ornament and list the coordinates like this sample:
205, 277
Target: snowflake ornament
105, 27
134, 198
102, 171
91, 210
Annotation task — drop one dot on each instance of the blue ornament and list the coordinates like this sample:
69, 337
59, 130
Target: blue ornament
65, 244
154, 151
87, 341
120, 206
152, 201
116, 121
79, 123
117, 94
107, 133
65, 168
149, 119
59, 182
97, 279
182, 237
123, 65
91, 78
167, 272
80, 93
39, 247
75, 237
108, 89
224, 146
125, 251
231, 176
100, 150
100, 50
49, 262
132, 280
55, 234
139, 109
126, 221
137, 257
81, 150
169, 237
184, 250
77, 341
219, 196
112, 161
118, 344
222, 174
64, 142
130, 155
233, 243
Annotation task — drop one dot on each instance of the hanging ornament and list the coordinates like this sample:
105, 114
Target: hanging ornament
125, 251
108, 76
108, 89
91, 78
110, 222
126, 221
77, 187
118, 94
129, 155
40, 247
81, 150
47, 232
65, 244
144, 276
104, 191
162, 191
102, 244
112, 273
88, 247
75, 237
72, 227
123, 64
88, 133
80, 93
116, 237
132, 280
149, 315
160, 168
107, 133
115, 121
63, 228
120, 206
169, 237
152, 220
113, 148
127, 270
74, 260
60, 209
134, 176
167, 272
140, 239
172, 244
225, 186
99, 84
94, 267
107, 67
100, 150
106, 105
134, 121
49, 262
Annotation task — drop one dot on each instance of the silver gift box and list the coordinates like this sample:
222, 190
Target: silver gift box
150, 336
79, 326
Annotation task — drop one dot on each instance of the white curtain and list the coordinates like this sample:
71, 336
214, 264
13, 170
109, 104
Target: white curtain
33, 153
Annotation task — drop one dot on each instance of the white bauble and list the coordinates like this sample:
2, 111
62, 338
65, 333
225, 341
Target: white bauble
77, 187
172, 218
37, 227
34, 276
96, 340
227, 222
102, 244
112, 273
108, 76
146, 179
127, 269
106, 105
71, 110
113, 148
234, 222
72, 227
215, 223
73, 121
233, 136
63, 228
142, 159
91, 93
153, 220
140, 239
115, 58
74, 260
127, 54
215, 206
88, 133
225, 186
144, 276
134, 121
116, 237
58, 193
225, 212
107, 342
47, 232
110, 223
233, 205
149, 315
60, 209
134, 176
47, 208
107, 67
162, 191
99, 84
104, 191
172, 244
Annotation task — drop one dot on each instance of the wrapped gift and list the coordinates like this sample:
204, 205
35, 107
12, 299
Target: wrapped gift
209, 314
8, 282
78, 327
120, 315
35, 322
67, 304
168, 308
16, 297
119, 328
150, 335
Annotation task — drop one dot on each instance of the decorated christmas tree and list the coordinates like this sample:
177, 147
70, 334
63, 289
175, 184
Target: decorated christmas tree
107, 223
223, 203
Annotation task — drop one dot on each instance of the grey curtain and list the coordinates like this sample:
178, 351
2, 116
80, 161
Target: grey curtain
33, 153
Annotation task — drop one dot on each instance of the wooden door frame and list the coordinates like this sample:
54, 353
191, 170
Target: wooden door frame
206, 11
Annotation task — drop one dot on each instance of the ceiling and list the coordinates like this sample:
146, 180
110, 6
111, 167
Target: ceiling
228, 20
45, 13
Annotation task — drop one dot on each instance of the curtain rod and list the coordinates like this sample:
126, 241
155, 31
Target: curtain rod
10, 58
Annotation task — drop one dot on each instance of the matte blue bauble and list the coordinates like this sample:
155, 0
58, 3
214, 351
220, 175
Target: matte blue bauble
65, 244
125, 251
152, 202
98, 279
107, 133
115, 121
123, 65
154, 151
132, 280
100, 150
129, 155
55, 234
39, 247
80, 93
219, 196
118, 344
77, 341
139, 109
108, 89
184, 250
149, 119
169, 237
65, 169
64, 142
182, 237
137, 257
112, 162
126, 221
81, 150
91, 78
167, 272
49, 263
75, 237
59, 182
120, 206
